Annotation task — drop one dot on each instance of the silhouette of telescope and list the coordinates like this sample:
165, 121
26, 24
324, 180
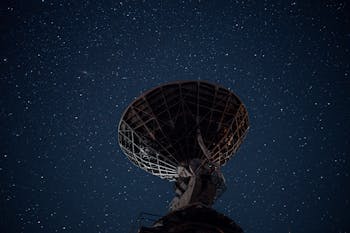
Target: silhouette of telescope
184, 132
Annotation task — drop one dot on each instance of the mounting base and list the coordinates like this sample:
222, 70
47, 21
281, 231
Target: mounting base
196, 218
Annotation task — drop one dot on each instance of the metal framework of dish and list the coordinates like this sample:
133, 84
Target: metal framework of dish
172, 124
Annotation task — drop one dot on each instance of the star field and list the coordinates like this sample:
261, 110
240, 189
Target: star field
69, 69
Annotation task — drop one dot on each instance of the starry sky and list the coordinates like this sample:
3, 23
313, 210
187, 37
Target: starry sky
68, 69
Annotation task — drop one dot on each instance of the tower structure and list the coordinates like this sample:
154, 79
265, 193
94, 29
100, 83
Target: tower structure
184, 132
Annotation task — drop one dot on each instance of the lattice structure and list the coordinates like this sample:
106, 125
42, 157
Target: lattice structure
140, 151
159, 131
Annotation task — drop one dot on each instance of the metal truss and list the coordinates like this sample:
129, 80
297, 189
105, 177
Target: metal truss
158, 131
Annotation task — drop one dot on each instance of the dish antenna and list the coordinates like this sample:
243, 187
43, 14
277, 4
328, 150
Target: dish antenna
184, 132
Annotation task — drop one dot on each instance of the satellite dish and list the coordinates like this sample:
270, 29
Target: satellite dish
173, 124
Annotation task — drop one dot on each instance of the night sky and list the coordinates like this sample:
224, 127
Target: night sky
68, 70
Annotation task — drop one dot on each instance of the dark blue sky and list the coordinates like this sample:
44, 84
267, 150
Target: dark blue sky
68, 70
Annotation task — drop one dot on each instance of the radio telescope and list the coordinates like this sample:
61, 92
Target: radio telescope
184, 132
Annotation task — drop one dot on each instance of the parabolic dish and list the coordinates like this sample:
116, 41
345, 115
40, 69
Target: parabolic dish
159, 130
